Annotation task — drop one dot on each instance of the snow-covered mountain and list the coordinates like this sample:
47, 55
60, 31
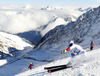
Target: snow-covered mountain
82, 9
85, 29
39, 19
11, 43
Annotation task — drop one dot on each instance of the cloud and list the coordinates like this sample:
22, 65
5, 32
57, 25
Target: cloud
22, 22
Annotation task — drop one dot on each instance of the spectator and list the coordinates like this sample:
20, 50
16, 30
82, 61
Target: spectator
91, 45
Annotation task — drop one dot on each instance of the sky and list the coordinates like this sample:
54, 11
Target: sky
52, 2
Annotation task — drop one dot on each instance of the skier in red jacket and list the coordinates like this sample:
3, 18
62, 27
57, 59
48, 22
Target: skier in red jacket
31, 65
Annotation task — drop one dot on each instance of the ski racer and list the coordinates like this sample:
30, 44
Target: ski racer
76, 49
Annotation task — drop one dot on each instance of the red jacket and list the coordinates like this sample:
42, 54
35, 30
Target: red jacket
31, 66
92, 44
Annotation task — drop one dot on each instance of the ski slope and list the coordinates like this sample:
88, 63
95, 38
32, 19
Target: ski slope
90, 67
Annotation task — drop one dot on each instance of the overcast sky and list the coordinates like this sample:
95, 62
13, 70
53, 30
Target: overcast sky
51, 2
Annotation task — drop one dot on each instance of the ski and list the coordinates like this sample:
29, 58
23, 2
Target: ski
53, 67
57, 69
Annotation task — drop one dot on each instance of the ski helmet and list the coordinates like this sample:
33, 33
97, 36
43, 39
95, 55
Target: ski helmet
70, 42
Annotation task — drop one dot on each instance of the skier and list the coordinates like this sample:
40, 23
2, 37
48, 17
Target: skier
91, 45
76, 49
31, 65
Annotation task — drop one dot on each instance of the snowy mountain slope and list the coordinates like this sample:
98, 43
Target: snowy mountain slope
83, 30
9, 40
89, 67
22, 64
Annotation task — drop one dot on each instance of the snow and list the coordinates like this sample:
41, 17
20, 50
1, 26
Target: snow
23, 16
90, 67
36, 18
57, 22
19, 19
3, 62
9, 40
